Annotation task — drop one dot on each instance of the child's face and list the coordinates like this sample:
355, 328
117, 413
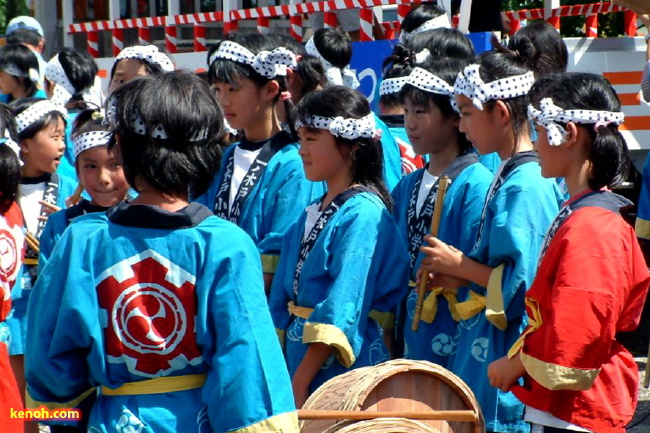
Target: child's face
42, 153
552, 159
241, 102
126, 70
322, 159
9, 85
478, 125
101, 175
428, 130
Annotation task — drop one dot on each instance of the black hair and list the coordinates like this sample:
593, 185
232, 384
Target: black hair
550, 53
291, 44
366, 153
443, 42
88, 121
228, 71
399, 64
420, 15
503, 63
183, 105
24, 36
609, 154
81, 69
447, 69
312, 73
151, 68
9, 162
335, 46
48, 120
25, 60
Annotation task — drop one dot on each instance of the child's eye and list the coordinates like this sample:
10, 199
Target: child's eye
89, 166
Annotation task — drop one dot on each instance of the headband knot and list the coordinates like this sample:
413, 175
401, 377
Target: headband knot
268, 64
339, 126
470, 84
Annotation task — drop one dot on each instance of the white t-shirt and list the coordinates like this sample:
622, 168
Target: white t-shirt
313, 213
540, 418
29, 196
243, 161
428, 180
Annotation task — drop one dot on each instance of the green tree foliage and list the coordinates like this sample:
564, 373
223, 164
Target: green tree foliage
609, 25
10, 9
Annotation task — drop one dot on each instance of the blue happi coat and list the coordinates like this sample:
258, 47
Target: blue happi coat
435, 341
138, 293
274, 203
17, 319
515, 221
353, 278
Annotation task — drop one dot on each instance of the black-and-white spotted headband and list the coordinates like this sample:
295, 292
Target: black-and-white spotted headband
345, 128
335, 76
550, 116
147, 53
269, 64
390, 86
89, 140
470, 84
438, 22
14, 70
55, 73
429, 82
36, 112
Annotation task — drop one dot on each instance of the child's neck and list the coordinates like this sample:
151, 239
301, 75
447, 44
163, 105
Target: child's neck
440, 160
336, 187
577, 180
263, 128
524, 144
151, 197
27, 171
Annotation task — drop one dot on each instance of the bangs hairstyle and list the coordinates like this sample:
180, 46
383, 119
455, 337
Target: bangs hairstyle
228, 71
443, 42
503, 63
9, 162
185, 107
446, 69
50, 119
366, 153
609, 154
24, 59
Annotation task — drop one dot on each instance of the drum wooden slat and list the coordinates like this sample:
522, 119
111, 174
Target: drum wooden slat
383, 425
398, 385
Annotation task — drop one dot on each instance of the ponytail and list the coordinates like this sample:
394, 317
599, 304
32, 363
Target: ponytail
609, 156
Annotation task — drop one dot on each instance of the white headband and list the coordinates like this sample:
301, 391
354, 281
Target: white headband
335, 76
269, 64
438, 22
36, 112
7, 140
14, 70
550, 115
344, 128
425, 80
470, 84
390, 86
55, 73
89, 140
148, 53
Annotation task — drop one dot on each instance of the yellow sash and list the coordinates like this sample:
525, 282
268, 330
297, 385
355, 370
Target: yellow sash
297, 311
534, 322
159, 385
492, 303
430, 306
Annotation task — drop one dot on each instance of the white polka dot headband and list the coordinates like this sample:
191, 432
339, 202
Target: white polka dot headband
269, 64
551, 115
390, 86
335, 76
438, 22
470, 84
431, 83
37, 111
55, 73
345, 128
14, 70
147, 53
8, 141
88, 140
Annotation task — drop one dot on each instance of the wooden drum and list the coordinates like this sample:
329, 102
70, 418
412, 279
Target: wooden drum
396, 386
383, 425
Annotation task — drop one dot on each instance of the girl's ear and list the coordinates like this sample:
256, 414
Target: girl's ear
571, 137
270, 90
502, 112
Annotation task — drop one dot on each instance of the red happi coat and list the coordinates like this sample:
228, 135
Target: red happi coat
591, 283
11, 256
